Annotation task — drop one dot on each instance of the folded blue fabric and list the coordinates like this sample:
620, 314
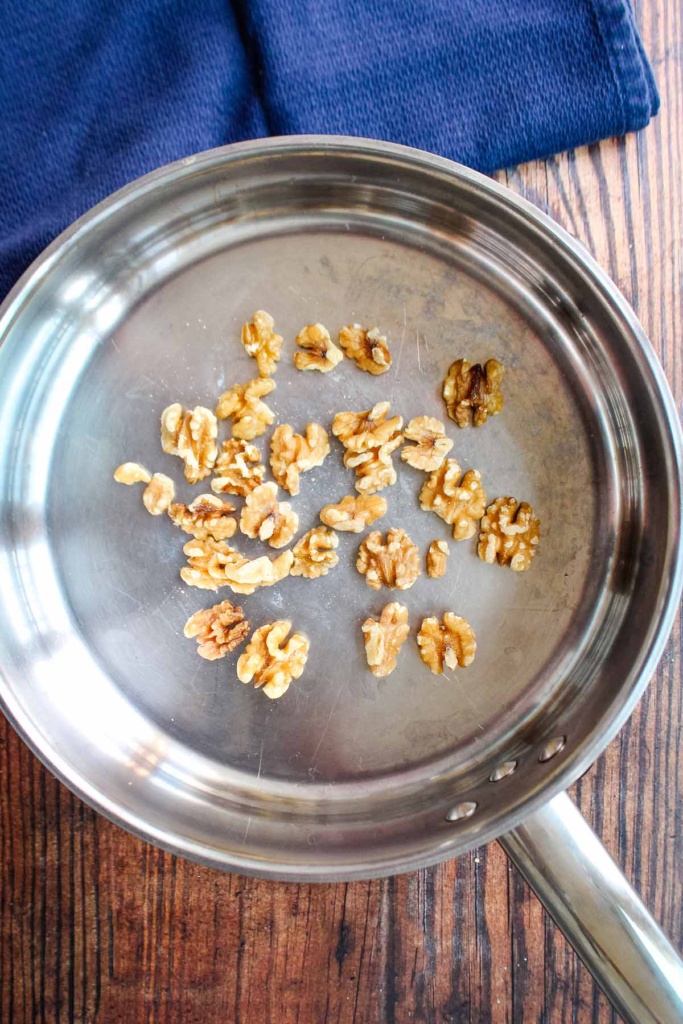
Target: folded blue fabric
95, 94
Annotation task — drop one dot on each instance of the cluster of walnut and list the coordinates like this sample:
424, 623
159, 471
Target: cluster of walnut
508, 530
238, 470
450, 643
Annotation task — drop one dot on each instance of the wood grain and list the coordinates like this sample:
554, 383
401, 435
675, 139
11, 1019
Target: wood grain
96, 926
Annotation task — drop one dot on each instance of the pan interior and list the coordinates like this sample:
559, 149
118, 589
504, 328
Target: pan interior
109, 679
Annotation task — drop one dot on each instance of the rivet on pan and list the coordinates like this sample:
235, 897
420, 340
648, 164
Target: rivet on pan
502, 771
552, 747
460, 811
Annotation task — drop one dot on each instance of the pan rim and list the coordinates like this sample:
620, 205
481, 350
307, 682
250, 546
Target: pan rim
585, 752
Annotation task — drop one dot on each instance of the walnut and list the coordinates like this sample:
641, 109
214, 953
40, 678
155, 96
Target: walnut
213, 564
368, 349
293, 454
261, 342
132, 473
394, 563
206, 516
384, 638
450, 643
460, 501
259, 572
437, 559
271, 665
471, 393
242, 403
265, 517
158, 494
314, 553
321, 352
360, 431
510, 534
352, 515
238, 469
192, 436
374, 467
218, 630
431, 447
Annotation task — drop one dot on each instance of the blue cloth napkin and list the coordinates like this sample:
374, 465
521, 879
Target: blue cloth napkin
94, 94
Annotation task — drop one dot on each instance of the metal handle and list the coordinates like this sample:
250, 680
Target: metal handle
588, 897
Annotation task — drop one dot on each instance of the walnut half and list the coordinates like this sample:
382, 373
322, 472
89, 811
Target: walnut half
394, 563
450, 643
191, 434
472, 393
510, 533
431, 444
374, 467
384, 638
368, 349
262, 343
352, 515
132, 473
458, 499
158, 494
238, 468
315, 554
361, 431
270, 662
265, 517
218, 630
206, 516
320, 352
437, 559
242, 403
293, 454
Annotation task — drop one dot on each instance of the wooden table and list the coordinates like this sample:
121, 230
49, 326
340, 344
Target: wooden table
98, 926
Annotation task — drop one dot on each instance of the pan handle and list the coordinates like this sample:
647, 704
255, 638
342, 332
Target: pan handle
589, 898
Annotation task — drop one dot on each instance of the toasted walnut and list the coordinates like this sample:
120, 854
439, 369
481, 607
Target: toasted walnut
471, 393
271, 662
352, 515
262, 343
191, 434
431, 447
394, 563
450, 643
459, 500
437, 559
259, 572
242, 403
158, 494
213, 564
292, 454
218, 630
374, 467
360, 431
238, 469
206, 516
320, 351
265, 517
314, 553
510, 533
132, 473
368, 349
384, 638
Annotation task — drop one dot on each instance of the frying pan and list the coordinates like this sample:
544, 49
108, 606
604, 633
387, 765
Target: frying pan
139, 305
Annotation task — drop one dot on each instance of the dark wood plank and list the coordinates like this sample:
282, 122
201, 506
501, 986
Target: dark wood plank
95, 926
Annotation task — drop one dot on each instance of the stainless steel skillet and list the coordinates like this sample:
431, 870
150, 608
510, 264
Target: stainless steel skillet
138, 305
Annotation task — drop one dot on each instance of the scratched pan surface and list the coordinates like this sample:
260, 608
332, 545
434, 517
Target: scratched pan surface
140, 305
